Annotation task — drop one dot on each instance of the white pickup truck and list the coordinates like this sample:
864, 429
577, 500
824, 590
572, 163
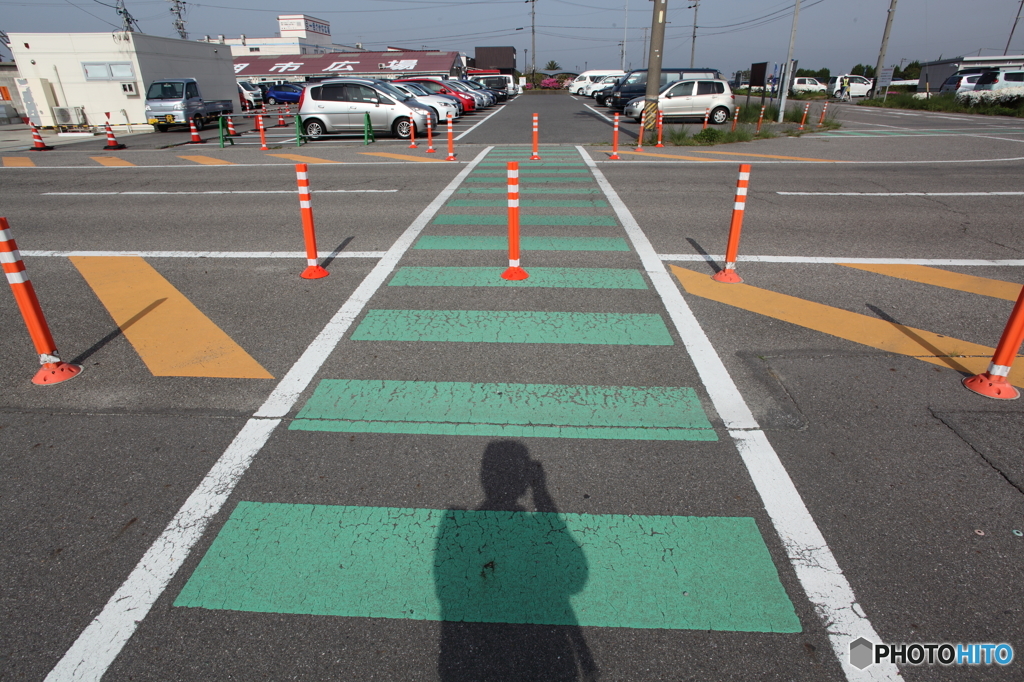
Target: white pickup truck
176, 101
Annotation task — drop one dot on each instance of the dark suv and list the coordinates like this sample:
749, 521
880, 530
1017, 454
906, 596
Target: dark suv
634, 83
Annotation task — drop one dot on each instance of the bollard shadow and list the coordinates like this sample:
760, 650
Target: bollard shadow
334, 254
84, 355
503, 578
916, 338
707, 256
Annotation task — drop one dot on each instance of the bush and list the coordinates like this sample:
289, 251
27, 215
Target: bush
550, 84
1007, 102
708, 136
1007, 97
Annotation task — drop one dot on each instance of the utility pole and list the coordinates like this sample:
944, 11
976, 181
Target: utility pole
644, 52
784, 82
1014, 28
177, 10
128, 23
625, 31
654, 63
533, 36
693, 38
885, 44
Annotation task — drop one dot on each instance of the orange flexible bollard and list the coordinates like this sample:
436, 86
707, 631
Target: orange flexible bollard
263, 134
412, 134
313, 269
707, 113
430, 136
615, 140
807, 107
661, 125
53, 371
536, 151
451, 141
993, 383
643, 129
514, 272
821, 121
759, 119
735, 117
728, 274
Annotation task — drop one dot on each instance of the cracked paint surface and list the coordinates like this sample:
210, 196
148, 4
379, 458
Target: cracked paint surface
666, 572
513, 326
505, 409
560, 278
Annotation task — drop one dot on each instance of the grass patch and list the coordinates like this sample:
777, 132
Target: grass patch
946, 103
683, 136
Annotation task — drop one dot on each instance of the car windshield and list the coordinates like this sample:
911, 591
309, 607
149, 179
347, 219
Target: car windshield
166, 91
392, 90
472, 85
495, 83
247, 86
636, 78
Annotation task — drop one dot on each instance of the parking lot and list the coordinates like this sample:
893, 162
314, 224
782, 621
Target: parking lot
413, 469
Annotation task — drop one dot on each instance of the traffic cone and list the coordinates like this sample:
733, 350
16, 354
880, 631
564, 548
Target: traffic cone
111, 140
280, 118
195, 133
37, 141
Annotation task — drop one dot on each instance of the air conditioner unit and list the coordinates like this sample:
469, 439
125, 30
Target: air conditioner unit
69, 116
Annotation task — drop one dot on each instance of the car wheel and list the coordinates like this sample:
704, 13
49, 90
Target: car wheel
314, 129
719, 115
869, 94
271, 100
401, 128
636, 120
199, 123
162, 127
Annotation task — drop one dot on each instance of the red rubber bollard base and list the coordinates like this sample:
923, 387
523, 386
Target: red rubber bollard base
991, 386
515, 273
534, 158
450, 157
727, 277
614, 157
44, 148
314, 272
115, 146
55, 372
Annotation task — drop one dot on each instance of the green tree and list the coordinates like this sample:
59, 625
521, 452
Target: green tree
552, 66
911, 70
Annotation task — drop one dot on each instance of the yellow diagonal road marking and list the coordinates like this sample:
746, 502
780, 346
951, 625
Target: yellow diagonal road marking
302, 159
1008, 291
668, 156
403, 157
869, 331
111, 161
207, 160
18, 162
171, 335
769, 156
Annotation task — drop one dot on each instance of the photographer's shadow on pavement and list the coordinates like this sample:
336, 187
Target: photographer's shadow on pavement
504, 577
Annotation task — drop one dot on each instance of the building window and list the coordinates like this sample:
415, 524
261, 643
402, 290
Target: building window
108, 71
254, 49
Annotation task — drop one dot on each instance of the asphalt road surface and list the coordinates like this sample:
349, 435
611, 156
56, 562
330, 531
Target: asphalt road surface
413, 469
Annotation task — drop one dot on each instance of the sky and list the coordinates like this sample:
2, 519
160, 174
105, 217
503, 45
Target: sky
582, 34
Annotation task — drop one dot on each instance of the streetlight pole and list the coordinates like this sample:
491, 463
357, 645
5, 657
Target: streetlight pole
784, 82
693, 38
885, 44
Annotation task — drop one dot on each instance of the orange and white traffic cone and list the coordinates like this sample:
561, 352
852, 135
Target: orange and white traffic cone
728, 275
280, 118
313, 269
37, 141
514, 272
993, 383
195, 133
111, 140
231, 127
53, 371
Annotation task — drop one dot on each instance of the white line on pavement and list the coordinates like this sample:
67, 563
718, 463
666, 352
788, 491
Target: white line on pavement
812, 560
478, 124
967, 262
102, 641
207, 254
901, 194
239, 191
598, 113
989, 137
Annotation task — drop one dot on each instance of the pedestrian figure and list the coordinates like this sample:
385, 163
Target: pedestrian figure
844, 92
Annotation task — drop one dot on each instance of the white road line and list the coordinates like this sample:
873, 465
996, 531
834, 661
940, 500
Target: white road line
989, 137
822, 260
812, 560
102, 641
479, 123
762, 162
206, 254
598, 113
240, 191
901, 194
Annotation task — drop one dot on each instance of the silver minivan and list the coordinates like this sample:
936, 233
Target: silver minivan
691, 99
340, 105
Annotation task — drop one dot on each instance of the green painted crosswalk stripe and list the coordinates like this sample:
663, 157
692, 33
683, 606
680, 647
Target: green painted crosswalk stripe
507, 410
641, 572
539, 164
560, 278
533, 180
513, 326
461, 219
489, 243
528, 203
535, 171
533, 190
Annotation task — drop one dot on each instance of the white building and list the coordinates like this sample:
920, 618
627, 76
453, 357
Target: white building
297, 34
75, 79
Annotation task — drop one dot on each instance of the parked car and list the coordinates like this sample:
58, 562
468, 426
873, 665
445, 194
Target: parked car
691, 99
579, 84
498, 95
634, 83
442, 105
859, 85
499, 81
438, 86
283, 92
605, 83
482, 99
249, 95
178, 101
340, 105
961, 81
802, 84
999, 79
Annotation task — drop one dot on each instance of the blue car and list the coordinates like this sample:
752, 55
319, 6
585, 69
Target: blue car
285, 92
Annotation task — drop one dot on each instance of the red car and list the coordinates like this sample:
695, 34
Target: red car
436, 87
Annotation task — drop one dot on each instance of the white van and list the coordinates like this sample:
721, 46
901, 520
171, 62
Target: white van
580, 82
